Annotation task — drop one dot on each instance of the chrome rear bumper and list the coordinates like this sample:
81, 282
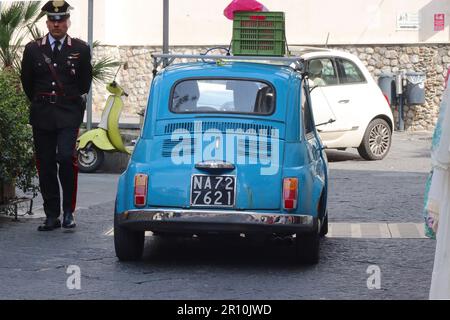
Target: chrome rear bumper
166, 220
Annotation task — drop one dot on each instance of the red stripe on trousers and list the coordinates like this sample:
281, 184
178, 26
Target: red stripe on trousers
75, 178
38, 164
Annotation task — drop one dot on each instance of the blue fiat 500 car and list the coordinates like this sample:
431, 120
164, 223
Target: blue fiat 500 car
227, 147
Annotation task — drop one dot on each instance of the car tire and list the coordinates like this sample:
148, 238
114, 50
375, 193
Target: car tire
307, 247
129, 244
90, 159
324, 227
376, 141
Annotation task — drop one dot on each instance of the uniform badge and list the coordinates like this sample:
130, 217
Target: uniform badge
57, 5
74, 56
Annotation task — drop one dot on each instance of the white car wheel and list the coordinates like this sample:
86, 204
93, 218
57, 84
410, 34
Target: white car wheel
377, 140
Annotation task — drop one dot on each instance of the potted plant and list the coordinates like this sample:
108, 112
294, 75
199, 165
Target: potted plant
16, 150
17, 167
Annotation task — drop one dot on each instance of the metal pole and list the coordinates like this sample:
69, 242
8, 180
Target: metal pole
165, 28
399, 89
90, 42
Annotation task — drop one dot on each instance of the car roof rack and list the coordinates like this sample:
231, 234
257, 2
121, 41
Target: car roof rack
307, 49
167, 59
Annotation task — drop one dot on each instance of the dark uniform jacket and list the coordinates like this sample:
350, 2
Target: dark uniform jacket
53, 107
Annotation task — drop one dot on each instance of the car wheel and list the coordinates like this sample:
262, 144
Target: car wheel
129, 244
376, 141
324, 228
90, 159
307, 247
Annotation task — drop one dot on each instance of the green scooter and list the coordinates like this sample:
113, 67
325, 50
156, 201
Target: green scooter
92, 144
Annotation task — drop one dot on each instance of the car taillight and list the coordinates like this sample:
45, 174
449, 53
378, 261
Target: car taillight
290, 193
140, 190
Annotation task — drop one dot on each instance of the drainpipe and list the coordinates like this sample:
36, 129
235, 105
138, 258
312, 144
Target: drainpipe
399, 89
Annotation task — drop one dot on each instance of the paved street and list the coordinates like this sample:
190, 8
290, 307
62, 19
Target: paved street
375, 215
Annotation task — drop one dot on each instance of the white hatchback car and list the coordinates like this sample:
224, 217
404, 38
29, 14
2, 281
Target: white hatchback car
349, 107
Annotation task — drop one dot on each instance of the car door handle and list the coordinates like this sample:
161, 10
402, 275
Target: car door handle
343, 101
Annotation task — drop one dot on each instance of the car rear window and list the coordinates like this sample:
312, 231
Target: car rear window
223, 96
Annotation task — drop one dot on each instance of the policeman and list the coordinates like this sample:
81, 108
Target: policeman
56, 76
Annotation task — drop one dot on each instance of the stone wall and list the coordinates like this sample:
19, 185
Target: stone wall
135, 80
433, 60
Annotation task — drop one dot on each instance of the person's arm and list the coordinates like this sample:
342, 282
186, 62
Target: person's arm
85, 78
26, 73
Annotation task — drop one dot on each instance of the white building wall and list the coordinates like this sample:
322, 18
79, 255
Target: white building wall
201, 22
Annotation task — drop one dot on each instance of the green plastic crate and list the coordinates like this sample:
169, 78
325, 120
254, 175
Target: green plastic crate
258, 34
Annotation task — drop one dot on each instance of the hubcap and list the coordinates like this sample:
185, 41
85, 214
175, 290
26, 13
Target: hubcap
379, 140
87, 157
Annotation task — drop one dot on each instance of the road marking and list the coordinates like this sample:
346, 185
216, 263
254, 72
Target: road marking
362, 231
380, 231
395, 232
110, 233
356, 230
421, 229
384, 231
340, 230
330, 229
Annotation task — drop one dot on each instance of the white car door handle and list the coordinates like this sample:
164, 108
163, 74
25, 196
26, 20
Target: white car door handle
344, 101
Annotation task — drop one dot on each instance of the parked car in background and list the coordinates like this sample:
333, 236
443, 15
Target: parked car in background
349, 107
226, 147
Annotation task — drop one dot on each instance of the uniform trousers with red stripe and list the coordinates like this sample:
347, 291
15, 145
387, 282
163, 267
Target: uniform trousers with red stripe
56, 158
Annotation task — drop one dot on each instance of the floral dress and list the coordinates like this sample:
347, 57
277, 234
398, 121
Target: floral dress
432, 217
437, 203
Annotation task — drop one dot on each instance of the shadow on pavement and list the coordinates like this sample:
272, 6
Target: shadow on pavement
220, 251
340, 156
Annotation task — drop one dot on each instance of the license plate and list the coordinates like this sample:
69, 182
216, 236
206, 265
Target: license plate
213, 191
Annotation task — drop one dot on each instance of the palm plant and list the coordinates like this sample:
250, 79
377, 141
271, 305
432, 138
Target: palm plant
16, 20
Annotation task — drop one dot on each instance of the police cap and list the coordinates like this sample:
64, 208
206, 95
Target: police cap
57, 10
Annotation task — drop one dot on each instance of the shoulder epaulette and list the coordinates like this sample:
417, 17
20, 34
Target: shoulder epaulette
41, 41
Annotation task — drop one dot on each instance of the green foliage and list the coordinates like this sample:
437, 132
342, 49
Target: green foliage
16, 21
16, 141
